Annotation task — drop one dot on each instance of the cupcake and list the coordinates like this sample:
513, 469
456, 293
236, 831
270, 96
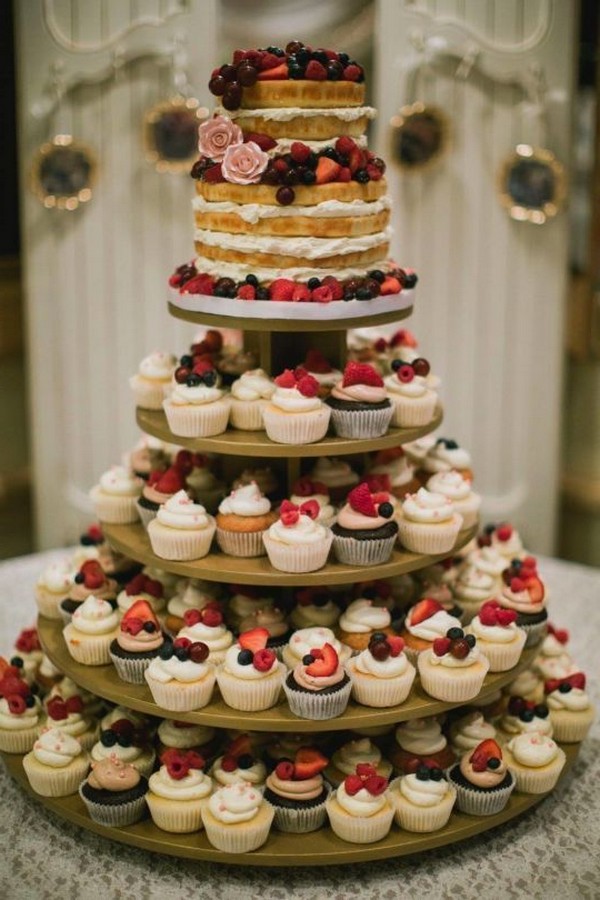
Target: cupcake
56, 765
47, 674
553, 659
117, 713
178, 791
482, 781
395, 464
93, 706
138, 641
207, 626
316, 364
93, 545
528, 684
142, 587
90, 581
127, 744
304, 639
417, 742
306, 489
20, 711
416, 452
412, 399
239, 765
444, 455
424, 622
506, 540
472, 589
28, 654
114, 793
160, 487
203, 484
314, 606
381, 675
296, 542
274, 621
498, 636
423, 800
336, 474
250, 678
318, 687
197, 407
295, 414
347, 757
360, 407
525, 592
243, 518
488, 560
454, 669
360, 810
153, 376
360, 621
468, 731
264, 477
296, 791
52, 587
180, 678
148, 455
571, 712
114, 497
456, 487
173, 734
245, 600
428, 523
191, 593
536, 762
249, 396
237, 819
182, 529
523, 717
365, 532
91, 631
68, 715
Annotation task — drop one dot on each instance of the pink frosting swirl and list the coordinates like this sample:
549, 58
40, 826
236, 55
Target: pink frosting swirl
355, 521
216, 135
316, 682
244, 163
359, 393
305, 789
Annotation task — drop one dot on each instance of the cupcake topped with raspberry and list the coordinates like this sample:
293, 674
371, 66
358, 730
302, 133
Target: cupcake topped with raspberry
318, 687
553, 659
360, 407
142, 587
297, 542
337, 474
395, 464
361, 810
412, 398
524, 716
571, 710
295, 414
207, 625
318, 366
251, 675
306, 488
239, 764
90, 581
160, 487
424, 622
506, 540
525, 592
297, 792
498, 635
365, 530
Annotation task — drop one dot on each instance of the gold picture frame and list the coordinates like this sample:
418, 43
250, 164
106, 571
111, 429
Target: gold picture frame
532, 184
170, 133
63, 173
419, 137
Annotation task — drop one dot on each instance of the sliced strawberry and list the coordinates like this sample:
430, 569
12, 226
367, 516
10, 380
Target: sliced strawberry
361, 373
483, 753
424, 609
277, 73
308, 763
327, 665
170, 482
241, 746
255, 639
327, 170
264, 141
270, 61
141, 611
264, 660
201, 284
361, 501
315, 71
441, 646
356, 159
353, 784
337, 291
536, 590
396, 644
287, 379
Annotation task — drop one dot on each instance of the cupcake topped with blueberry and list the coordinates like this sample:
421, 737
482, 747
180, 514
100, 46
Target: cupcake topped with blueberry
181, 678
482, 781
525, 593
314, 606
207, 625
20, 711
365, 531
90, 581
239, 763
251, 675
395, 464
318, 687
524, 716
123, 741
138, 641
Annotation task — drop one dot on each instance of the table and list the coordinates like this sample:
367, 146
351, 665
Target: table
551, 852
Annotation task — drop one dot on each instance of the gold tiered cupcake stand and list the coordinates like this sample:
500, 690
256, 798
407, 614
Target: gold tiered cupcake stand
277, 343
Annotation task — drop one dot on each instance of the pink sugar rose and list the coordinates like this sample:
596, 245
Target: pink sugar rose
216, 135
244, 163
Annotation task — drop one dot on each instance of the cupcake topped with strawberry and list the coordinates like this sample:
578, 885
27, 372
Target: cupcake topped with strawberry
297, 792
525, 592
360, 407
447, 454
251, 675
142, 587
426, 621
365, 530
138, 641
318, 687
482, 780
307, 488
295, 413
571, 710
207, 625
89, 581
316, 364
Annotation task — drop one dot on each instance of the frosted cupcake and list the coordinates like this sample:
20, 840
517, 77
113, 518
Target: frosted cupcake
306, 489
148, 455
142, 587
203, 484
468, 731
172, 734
178, 791
428, 523
137, 642
506, 540
365, 531
56, 765
207, 626
454, 669
114, 497
237, 819
528, 684
553, 659
160, 487
360, 407
239, 765
191, 593
296, 542
536, 762
424, 622
296, 791
361, 810
274, 622
28, 654
443, 456
318, 687
423, 800
264, 476
488, 560
525, 592
401, 472
472, 589
52, 587
360, 621
381, 675
249, 396
245, 600
336, 474
346, 758
412, 399
153, 376
498, 636
251, 676
295, 414
304, 639
122, 742
20, 711
180, 678
524, 717
243, 518
571, 711
69, 716
91, 631
319, 367
90, 581
454, 485
114, 793
417, 742
482, 780
198, 407
314, 607
182, 529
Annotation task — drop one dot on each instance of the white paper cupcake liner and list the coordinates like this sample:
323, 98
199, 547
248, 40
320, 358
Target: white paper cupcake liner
531, 780
503, 657
571, 727
361, 423
356, 552
296, 428
56, 782
180, 544
241, 543
380, 692
89, 650
247, 415
49, 604
429, 538
411, 412
145, 515
241, 837
299, 820
480, 802
359, 829
297, 557
175, 816
114, 510
421, 819
19, 740
252, 695
451, 685
115, 816
182, 697
202, 420
315, 705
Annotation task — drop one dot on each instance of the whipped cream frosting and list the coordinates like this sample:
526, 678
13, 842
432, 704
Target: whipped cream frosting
575, 700
334, 472
238, 272
426, 507
474, 584
57, 578
158, 366
124, 754
349, 755
356, 521
412, 390
434, 627
362, 804
448, 661
193, 786
327, 209
195, 395
514, 725
487, 559
181, 512
287, 113
184, 738
242, 605
301, 247
291, 400
191, 593
95, 616
254, 384
310, 682
361, 617
533, 749
495, 634
441, 458
392, 667
55, 748
216, 637
423, 793
173, 669
469, 731
301, 790
245, 673
400, 471
451, 484
303, 641
120, 482
489, 778
246, 501
253, 775
421, 737
235, 803
10, 721
304, 531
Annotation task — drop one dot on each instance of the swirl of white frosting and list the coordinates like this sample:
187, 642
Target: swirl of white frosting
235, 803
216, 637
362, 804
487, 559
361, 616
304, 531
511, 548
441, 458
575, 700
533, 749
514, 725
451, 662
179, 511
410, 389
400, 471
426, 507
120, 482
57, 577
173, 669
391, 667
183, 394
351, 754
422, 737
334, 472
474, 584
423, 793
291, 400
434, 627
552, 647
495, 634
254, 384
172, 735
193, 786
526, 683
450, 483
125, 754
95, 616
246, 501
158, 366
245, 673
56, 748
16, 721
303, 641
326, 510
469, 731
254, 775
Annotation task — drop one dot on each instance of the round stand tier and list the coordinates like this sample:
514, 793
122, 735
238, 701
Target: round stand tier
318, 848
105, 682
257, 444
133, 541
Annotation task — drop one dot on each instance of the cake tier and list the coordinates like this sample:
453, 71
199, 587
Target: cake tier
304, 124
287, 253
301, 93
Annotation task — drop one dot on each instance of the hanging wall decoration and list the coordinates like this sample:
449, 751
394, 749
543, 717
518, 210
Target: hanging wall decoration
532, 184
63, 173
420, 136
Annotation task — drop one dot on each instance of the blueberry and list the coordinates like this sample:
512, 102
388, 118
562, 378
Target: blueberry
378, 636
186, 360
321, 600
526, 715
362, 176
307, 660
193, 380
308, 176
303, 57
313, 283
150, 627
436, 774
489, 529
541, 711
422, 773
276, 51
410, 279
124, 740
455, 633
16, 661
386, 510
564, 688
312, 160
295, 72
321, 57
108, 738
363, 294
349, 295
471, 640
397, 364
494, 763
245, 657
516, 563
377, 274
182, 654
245, 761
252, 279
331, 153
334, 70
79, 578
262, 294
451, 445
166, 651
209, 378
344, 59
30, 700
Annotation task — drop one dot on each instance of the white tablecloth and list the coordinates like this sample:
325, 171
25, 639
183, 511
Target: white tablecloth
551, 852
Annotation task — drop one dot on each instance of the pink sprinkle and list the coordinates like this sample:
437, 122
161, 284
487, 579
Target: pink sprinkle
221, 807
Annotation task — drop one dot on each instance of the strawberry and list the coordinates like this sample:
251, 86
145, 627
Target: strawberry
316, 362
170, 481
264, 660
536, 589
241, 746
270, 61
356, 159
345, 144
504, 532
505, 617
277, 73
389, 285
308, 386
327, 665
285, 770
424, 609
192, 617
373, 172
264, 141
483, 753
255, 639
300, 152
396, 644
365, 770
327, 170
281, 289
315, 71
361, 373
201, 284
93, 576
286, 379
352, 72
337, 291
301, 294
517, 585
247, 292
211, 616
308, 763
213, 174
441, 646
404, 338
322, 294
376, 785
353, 784
141, 611
361, 501
344, 175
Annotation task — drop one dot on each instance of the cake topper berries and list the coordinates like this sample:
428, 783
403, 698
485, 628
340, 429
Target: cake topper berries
565, 685
487, 755
321, 662
369, 504
289, 513
179, 763
456, 643
140, 617
365, 777
308, 763
254, 650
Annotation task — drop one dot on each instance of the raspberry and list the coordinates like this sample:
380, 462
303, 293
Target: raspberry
264, 660
282, 289
286, 379
285, 769
361, 373
311, 509
345, 144
353, 784
352, 73
192, 616
505, 617
504, 533
247, 292
441, 646
322, 294
376, 785
308, 386
301, 294
300, 152
337, 291
269, 61
229, 764
361, 501
365, 770
344, 175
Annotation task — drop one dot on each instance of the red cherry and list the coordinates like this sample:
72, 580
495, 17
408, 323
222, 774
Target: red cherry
460, 648
198, 652
421, 367
182, 374
380, 650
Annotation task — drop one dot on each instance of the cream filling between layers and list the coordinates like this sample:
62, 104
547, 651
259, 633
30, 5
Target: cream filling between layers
287, 113
221, 269
301, 247
328, 209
